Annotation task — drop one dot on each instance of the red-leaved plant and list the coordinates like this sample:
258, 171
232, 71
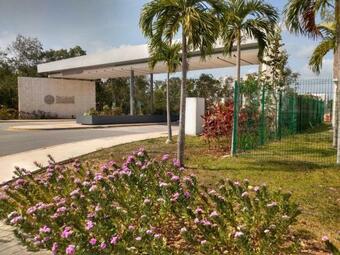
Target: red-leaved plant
218, 125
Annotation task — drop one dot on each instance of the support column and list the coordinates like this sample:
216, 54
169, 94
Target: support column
132, 93
151, 93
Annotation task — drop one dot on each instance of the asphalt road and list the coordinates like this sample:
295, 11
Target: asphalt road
14, 141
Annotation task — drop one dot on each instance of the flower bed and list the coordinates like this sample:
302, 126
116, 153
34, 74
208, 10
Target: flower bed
145, 206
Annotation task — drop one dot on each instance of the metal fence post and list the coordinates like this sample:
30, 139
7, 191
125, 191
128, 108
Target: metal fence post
262, 126
279, 131
234, 137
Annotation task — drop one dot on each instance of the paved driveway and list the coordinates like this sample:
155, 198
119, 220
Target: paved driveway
15, 141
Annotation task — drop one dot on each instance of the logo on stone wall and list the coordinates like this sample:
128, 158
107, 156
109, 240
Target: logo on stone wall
49, 99
64, 100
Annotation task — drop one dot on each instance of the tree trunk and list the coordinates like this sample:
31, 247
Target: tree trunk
238, 77
168, 110
337, 57
181, 135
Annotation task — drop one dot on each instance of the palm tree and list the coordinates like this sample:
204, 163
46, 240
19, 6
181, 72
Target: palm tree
326, 45
242, 19
162, 20
301, 18
170, 55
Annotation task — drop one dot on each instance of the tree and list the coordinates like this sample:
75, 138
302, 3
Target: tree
20, 58
301, 18
161, 20
242, 19
170, 55
24, 54
54, 55
207, 87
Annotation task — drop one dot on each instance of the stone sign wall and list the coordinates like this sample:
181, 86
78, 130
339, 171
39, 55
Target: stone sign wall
61, 98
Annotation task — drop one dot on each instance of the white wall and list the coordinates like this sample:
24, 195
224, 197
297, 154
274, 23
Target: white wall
69, 97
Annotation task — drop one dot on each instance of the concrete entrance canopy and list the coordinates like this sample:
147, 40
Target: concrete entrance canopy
131, 61
119, 62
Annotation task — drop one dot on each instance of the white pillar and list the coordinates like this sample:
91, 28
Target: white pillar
195, 108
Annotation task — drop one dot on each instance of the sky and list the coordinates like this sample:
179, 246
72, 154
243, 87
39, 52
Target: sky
98, 25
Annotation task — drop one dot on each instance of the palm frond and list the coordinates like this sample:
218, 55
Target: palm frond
300, 16
325, 46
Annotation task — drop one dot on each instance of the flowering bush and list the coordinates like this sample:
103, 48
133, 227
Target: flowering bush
145, 206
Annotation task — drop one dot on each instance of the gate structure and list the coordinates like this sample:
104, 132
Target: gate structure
295, 119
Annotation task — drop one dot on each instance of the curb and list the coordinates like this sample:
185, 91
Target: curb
17, 128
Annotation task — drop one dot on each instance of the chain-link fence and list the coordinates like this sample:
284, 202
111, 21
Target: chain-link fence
296, 119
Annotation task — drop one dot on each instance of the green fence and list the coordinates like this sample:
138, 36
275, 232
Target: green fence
268, 115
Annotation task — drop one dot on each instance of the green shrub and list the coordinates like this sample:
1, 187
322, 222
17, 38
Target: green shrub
145, 206
107, 111
8, 113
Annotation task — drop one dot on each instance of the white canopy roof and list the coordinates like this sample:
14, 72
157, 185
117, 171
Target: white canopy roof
118, 62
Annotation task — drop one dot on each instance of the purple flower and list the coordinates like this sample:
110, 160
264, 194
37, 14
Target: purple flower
93, 241
147, 201
175, 197
213, 214
175, 178
98, 177
187, 194
176, 163
245, 194
31, 210
74, 193
198, 210
206, 223
325, 238
165, 157
71, 249
157, 236
138, 238
114, 240
93, 188
54, 248
130, 159
61, 209
203, 242
67, 232
45, 229
131, 227
103, 246
149, 232
89, 225
238, 234
16, 220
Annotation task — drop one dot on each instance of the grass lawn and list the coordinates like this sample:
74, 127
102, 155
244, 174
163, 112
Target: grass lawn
301, 164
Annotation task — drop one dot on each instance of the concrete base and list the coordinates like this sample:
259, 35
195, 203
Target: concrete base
195, 108
123, 119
